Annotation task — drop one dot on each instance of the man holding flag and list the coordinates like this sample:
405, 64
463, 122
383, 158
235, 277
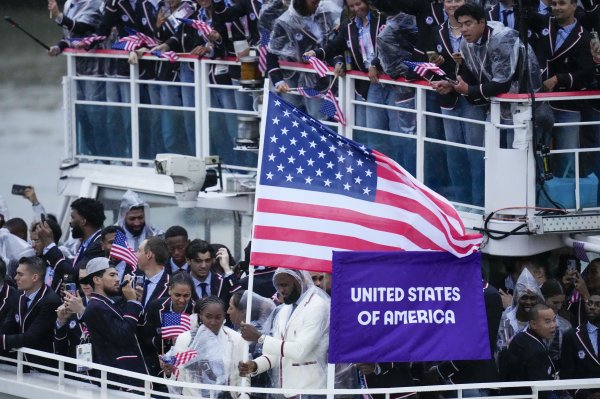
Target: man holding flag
319, 192
300, 336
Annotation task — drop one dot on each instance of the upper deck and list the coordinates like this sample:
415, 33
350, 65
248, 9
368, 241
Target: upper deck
517, 216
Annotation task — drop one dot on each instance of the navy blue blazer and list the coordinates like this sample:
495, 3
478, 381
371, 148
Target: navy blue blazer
112, 334
33, 326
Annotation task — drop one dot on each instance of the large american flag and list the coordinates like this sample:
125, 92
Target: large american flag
121, 250
318, 192
173, 324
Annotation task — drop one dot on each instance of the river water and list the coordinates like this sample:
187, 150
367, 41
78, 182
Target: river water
31, 118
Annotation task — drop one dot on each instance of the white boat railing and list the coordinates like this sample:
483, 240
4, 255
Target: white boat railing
71, 384
510, 174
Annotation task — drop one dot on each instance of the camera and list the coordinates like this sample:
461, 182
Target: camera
189, 175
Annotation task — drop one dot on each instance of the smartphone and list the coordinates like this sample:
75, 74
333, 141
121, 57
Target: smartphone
43, 218
71, 288
18, 189
139, 280
571, 265
431, 54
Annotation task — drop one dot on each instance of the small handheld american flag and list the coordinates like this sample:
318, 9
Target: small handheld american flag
319, 66
128, 43
87, 41
200, 26
262, 50
331, 108
180, 359
121, 250
173, 324
422, 68
169, 55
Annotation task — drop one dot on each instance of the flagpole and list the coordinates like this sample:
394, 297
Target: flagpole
250, 289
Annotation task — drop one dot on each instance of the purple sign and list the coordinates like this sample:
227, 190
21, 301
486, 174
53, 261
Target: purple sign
407, 306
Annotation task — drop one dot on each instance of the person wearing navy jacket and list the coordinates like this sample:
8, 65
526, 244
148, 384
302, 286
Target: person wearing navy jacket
57, 266
87, 218
563, 51
33, 322
153, 255
181, 292
8, 299
580, 357
112, 331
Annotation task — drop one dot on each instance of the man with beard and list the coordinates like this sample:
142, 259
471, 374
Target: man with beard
515, 318
580, 358
112, 331
527, 357
87, 218
133, 214
300, 334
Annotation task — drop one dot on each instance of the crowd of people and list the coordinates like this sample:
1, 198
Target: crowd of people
481, 52
179, 310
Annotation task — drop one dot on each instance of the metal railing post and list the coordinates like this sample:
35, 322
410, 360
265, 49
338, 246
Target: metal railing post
19, 366
134, 88
204, 95
421, 131
330, 381
61, 373
103, 384
72, 96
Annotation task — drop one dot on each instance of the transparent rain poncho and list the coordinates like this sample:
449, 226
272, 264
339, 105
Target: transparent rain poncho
12, 248
261, 309
216, 362
88, 12
290, 33
313, 299
132, 200
496, 60
270, 11
509, 324
393, 45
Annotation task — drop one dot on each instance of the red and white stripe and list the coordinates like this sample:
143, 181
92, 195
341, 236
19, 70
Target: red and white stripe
300, 229
319, 66
425, 67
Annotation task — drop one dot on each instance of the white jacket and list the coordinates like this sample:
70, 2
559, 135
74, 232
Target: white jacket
299, 344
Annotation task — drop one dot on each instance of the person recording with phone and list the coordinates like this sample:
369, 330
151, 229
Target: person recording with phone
69, 329
44, 234
112, 329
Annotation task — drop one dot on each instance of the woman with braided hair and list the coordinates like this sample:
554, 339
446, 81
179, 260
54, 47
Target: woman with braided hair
214, 351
